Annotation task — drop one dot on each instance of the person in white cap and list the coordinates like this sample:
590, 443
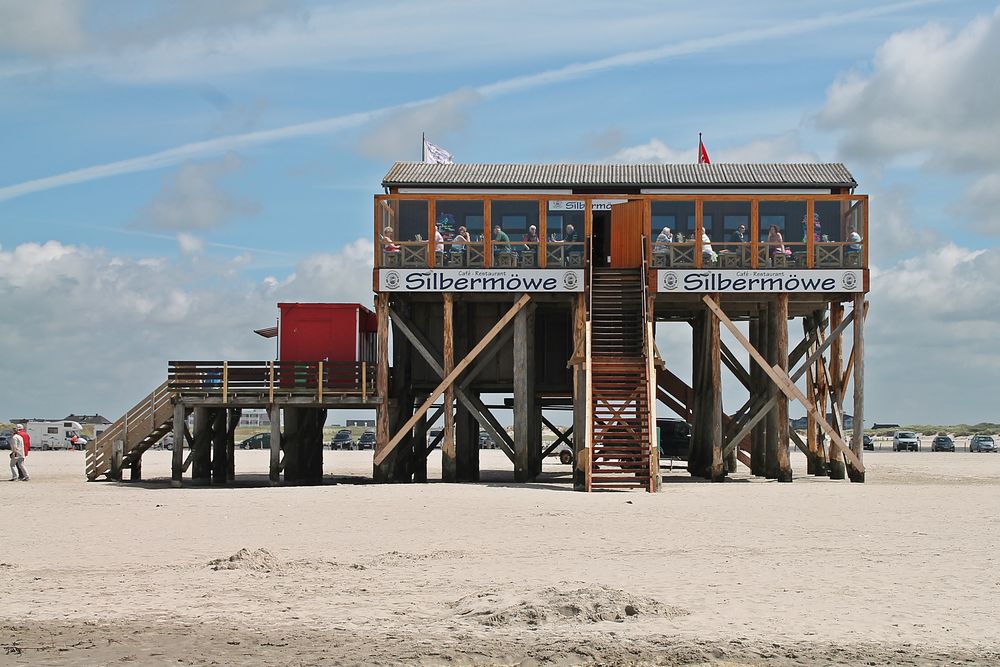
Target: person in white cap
17, 454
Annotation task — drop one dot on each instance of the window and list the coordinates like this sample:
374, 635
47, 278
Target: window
787, 216
678, 216
54, 430
721, 218
515, 217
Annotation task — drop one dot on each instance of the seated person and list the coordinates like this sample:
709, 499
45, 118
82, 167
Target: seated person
388, 243
501, 242
817, 229
855, 241
665, 238
739, 235
461, 238
530, 239
706, 248
438, 240
569, 235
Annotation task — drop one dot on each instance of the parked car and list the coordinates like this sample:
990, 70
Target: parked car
564, 452
942, 443
367, 440
486, 441
5, 440
344, 439
867, 442
904, 441
982, 443
257, 441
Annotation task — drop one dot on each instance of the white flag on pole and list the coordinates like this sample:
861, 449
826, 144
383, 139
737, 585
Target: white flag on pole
436, 154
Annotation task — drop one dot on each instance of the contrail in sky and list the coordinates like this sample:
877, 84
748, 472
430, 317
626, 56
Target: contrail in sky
509, 86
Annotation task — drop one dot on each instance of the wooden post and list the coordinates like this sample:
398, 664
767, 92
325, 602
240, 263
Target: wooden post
234, 421
524, 394
822, 392
713, 397
419, 445
771, 442
836, 466
579, 363
696, 459
201, 457
466, 445
857, 441
274, 473
220, 446
292, 443
758, 437
781, 351
382, 434
312, 445
135, 470
177, 455
449, 464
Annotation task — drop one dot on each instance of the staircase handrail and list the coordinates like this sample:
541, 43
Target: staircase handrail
142, 417
589, 250
645, 315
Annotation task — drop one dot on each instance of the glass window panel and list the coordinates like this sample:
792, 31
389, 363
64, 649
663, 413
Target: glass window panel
412, 221
677, 216
454, 214
831, 213
787, 216
717, 215
565, 224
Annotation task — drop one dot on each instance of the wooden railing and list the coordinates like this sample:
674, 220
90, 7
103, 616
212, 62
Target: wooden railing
270, 378
130, 430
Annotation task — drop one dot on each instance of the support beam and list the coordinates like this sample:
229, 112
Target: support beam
234, 421
580, 398
781, 345
713, 399
470, 400
419, 444
177, 455
858, 355
837, 469
449, 463
785, 384
220, 446
201, 456
274, 469
292, 463
755, 425
524, 396
450, 379
382, 434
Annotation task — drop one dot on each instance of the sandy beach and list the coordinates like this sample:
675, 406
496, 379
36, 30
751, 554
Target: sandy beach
900, 570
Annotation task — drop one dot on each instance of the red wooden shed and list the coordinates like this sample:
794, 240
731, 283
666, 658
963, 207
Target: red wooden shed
326, 332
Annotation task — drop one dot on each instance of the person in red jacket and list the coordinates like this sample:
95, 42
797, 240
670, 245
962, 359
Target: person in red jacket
19, 445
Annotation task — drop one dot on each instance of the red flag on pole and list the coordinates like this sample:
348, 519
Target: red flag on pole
702, 153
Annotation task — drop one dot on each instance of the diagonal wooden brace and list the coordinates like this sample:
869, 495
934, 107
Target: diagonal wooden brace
450, 379
784, 383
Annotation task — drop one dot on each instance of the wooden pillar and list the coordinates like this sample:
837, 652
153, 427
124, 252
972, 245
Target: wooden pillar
524, 394
419, 446
177, 455
274, 470
466, 445
397, 466
857, 440
713, 396
697, 464
771, 438
312, 445
382, 434
579, 363
201, 457
759, 382
292, 443
781, 345
135, 470
822, 391
836, 464
234, 421
449, 462
220, 446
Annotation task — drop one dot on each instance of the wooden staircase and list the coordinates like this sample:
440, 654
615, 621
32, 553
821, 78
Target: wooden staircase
622, 441
135, 432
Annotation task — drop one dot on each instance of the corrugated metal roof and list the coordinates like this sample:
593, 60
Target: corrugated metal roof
421, 174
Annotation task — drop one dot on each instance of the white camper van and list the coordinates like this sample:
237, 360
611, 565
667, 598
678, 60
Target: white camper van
54, 435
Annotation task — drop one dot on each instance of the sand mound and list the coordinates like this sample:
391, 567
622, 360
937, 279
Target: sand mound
258, 560
553, 605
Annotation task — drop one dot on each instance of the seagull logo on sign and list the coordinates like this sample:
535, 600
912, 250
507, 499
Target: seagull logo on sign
670, 280
569, 281
849, 281
392, 280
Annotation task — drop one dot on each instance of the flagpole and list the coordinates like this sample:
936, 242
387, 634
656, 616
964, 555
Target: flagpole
699, 148
423, 147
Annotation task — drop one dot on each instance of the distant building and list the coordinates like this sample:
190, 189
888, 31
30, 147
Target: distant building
255, 417
92, 425
369, 423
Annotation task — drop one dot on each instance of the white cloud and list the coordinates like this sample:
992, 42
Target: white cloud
193, 199
981, 204
190, 244
783, 148
929, 95
94, 331
393, 137
41, 27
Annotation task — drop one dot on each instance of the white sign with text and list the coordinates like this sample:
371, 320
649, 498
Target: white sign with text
750, 281
480, 280
581, 204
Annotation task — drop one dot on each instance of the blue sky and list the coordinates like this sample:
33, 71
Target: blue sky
175, 168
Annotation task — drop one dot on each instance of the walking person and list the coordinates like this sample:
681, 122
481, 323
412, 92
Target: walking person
18, 450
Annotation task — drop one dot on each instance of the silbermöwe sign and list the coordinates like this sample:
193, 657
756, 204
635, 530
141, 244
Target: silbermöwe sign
750, 281
581, 204
480, 280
